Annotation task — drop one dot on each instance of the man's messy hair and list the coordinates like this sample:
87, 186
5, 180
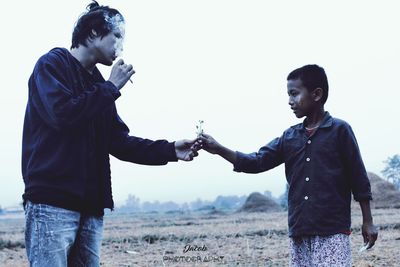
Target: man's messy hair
98, 21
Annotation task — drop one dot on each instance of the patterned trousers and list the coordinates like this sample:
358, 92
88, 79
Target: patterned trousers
320, 251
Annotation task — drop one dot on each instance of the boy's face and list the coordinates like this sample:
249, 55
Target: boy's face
301, 101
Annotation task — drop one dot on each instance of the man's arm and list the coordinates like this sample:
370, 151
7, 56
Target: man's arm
145, 151
52, 95
368, 229
139, 150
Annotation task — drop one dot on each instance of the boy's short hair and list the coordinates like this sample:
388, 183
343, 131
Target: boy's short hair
101, 19
312, 76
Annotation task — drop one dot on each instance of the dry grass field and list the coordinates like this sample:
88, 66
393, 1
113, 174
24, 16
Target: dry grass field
240, 239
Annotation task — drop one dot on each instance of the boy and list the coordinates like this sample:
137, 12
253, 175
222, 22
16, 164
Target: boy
71, 126
323, 167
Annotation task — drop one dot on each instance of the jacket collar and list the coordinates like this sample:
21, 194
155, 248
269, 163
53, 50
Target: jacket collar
326, 122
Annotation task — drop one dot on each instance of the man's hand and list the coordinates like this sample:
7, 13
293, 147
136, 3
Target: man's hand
187, 149
370, 234
121, 73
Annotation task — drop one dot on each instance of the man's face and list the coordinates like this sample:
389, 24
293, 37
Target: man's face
108, 47
301, 101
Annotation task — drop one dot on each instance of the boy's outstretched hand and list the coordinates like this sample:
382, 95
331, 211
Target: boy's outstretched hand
210, 144
187, 149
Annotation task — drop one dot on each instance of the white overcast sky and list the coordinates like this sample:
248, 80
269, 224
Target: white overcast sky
224, 62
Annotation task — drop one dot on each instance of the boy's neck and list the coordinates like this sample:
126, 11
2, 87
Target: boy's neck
85, 57
314, 119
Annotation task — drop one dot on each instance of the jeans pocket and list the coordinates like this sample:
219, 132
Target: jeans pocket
50, 232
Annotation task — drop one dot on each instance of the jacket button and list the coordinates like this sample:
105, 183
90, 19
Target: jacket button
308, 159
307, 179
309, 142
306, 197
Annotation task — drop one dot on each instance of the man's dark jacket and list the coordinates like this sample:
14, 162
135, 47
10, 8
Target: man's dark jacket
71, 126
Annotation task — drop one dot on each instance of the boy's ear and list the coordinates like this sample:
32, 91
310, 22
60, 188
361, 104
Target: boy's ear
317, 94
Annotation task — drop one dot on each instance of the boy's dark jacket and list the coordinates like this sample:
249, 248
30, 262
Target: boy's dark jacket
71, 126
322, 171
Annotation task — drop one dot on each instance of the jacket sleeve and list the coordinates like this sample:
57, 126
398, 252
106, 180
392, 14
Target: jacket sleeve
52, 95
354, 166
139, 150
267, 157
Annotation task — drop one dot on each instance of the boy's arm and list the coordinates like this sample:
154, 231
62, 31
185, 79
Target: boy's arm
213, 147
369, 231
360, 184
354, 165
228, 154
268, 156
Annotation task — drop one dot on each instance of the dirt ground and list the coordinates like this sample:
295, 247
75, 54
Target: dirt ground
239, 239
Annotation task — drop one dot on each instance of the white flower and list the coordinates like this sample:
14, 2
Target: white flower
199, 128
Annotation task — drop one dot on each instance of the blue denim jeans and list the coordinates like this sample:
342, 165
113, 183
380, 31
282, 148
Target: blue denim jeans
59, 237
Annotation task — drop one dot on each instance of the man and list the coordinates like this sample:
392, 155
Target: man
71, 126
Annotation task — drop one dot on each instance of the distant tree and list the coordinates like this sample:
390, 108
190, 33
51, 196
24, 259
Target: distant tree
151, 206
268, 193
392, 170
133, 202
229, 202
283, 199
198, 203
1, 210
169, 206
185, 206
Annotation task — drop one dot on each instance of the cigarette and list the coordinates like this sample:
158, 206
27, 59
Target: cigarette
363, 248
